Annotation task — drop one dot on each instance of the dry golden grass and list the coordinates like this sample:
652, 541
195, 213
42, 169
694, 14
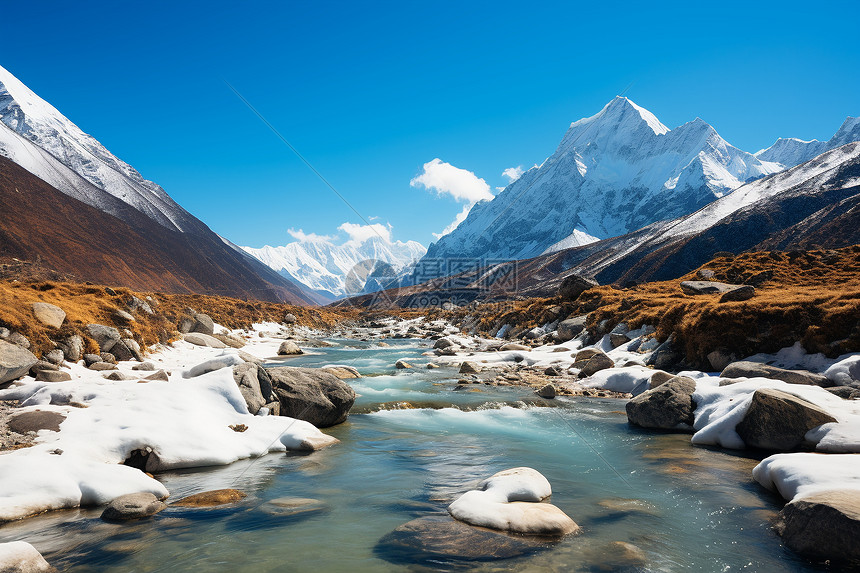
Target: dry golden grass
812, 297
85, 304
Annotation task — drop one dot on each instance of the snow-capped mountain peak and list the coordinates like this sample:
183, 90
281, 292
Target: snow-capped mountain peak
612, 173
49, 145
327, 267
790, 151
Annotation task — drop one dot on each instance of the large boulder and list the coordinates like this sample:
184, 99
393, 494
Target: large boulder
778, 421
49, 314
312, 395
203, 324
746, 369
571, 327
21, 557
595, 364
254, 384
72, 347
14, 361
289, 348
200, 339
742, 293
469, 367
132, 506
823, 526
574, 285
510, 501
105, 336
669, 406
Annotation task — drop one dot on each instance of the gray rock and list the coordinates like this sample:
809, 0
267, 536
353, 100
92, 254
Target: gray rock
595, 364
117, 376
108, 357
469, 367
132, 506
719, 359
746, 369
312, 395
823, 526
105, 336
122, 316
778, 421
289, 348
203, 340
402, 364
666, 356
72, 348
571, 327
706, 274
203, 324
19, 339
229, 340
669, 406
659, 378
144, 366
739, 294
185, 325
574, 285
53, 376
514, 346
42, 365
290, 318
36, 421
211, 365
159, 375
547, 391
694, 288
92, 359
553, 371
256, 395
134, 304
132, 347
55, 356
618, 339
584, 354
846, 392
342, 372
443, 343
854, 371
440, 537
14, 361
49, 314
102, 366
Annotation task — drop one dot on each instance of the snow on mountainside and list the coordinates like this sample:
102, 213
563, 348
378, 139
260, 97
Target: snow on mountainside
323, 266
614, 172
39, 138
789, 152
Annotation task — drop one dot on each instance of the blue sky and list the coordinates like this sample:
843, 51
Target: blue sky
369, 92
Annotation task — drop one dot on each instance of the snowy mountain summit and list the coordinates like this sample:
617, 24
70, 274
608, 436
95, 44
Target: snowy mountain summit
36, 136
339, 270
612, 173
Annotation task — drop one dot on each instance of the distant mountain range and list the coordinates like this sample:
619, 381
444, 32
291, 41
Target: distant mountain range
132, 233
339, 270
813, 205
613, 173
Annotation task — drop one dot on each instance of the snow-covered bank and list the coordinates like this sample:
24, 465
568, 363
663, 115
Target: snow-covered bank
183, 422
799, 475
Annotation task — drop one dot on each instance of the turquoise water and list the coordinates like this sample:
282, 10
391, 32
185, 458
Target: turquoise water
694, 510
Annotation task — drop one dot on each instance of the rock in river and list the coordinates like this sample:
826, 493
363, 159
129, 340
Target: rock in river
132, 506
21, 557
823, 526
312, 395
510, 501
778, 421
669, 406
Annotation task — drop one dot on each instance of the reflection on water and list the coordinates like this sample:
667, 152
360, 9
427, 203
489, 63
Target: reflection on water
679, 507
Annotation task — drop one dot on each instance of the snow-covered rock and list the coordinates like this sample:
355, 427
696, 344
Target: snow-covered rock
509, 501
21, 557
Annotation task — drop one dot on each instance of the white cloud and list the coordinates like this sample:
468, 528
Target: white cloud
303, 237
358, 234
461, 216
461, 184
513, 173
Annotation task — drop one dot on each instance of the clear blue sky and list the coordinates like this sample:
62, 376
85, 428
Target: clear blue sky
370, 91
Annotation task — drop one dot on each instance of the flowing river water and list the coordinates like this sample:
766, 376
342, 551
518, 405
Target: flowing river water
685, 508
